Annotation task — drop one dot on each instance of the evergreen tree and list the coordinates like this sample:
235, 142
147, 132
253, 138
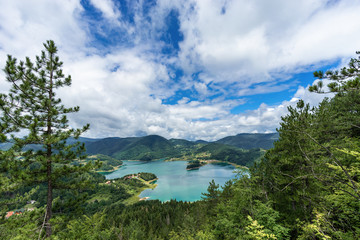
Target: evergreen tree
212, 196
212, 192
311, 174
32, 110
345, 80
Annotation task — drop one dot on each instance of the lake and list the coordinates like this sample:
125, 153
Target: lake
175, 182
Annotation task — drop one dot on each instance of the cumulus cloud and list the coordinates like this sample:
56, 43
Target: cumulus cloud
25, 24
235, 48
107, 8
242, 41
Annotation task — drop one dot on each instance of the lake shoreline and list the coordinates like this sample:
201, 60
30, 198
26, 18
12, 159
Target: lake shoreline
174, 160
175, 182
210, 161
136, 197
109, 171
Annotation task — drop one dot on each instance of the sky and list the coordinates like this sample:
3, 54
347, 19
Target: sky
191, 69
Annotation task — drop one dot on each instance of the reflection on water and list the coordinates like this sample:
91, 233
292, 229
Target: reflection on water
175, 182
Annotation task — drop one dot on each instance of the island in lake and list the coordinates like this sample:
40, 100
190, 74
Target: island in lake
194, 164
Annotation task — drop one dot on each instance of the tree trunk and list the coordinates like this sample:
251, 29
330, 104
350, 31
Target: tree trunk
49, 195
48, 155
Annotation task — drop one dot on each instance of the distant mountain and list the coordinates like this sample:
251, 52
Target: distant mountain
147, 148
183, 146
251, 140
109, 146
233, 148
134, 148
71, 140
82, 139
5, 146
182, 142
232, 154
242, 149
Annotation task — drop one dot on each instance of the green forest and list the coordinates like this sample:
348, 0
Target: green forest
305, 187
107, 163
231, 149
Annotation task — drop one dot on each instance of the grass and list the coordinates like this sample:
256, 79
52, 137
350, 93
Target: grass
135, 198
109, 171
99, 197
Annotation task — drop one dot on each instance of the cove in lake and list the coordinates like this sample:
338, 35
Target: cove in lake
175, 182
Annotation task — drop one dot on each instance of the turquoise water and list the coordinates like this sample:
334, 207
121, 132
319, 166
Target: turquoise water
175, 182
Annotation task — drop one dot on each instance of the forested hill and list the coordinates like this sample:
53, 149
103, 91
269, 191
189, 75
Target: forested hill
114, 145
156, 147
139, 148
110, 146
306, 187
242, 149
251, 140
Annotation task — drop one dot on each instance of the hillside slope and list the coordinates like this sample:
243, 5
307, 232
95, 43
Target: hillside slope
109, 146
242, 149
251, 140
146, 149
231, 154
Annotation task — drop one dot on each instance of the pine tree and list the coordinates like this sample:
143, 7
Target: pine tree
212, 196
346, 79
32, 110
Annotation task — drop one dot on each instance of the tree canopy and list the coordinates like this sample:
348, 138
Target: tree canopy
305, 187
31, 113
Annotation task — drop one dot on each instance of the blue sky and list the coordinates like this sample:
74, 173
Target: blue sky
184, 69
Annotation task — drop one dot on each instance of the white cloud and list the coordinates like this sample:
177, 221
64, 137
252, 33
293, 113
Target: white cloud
261, 89
26, 24
328, 34
249, 41
108, 8
248, 45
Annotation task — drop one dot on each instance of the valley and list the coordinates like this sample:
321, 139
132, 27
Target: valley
241, 150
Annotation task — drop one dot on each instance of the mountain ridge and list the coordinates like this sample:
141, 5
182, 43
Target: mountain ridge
250, 140
235, 149
232, 148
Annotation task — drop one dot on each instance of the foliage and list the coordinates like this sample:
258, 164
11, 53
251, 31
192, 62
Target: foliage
306, 187
146, 149
141, 175
107, 163
311, 175
31, 106
345, 80
89, 227
257, 232
155, 147
231, 154
250, 140
147, 176
193, 164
